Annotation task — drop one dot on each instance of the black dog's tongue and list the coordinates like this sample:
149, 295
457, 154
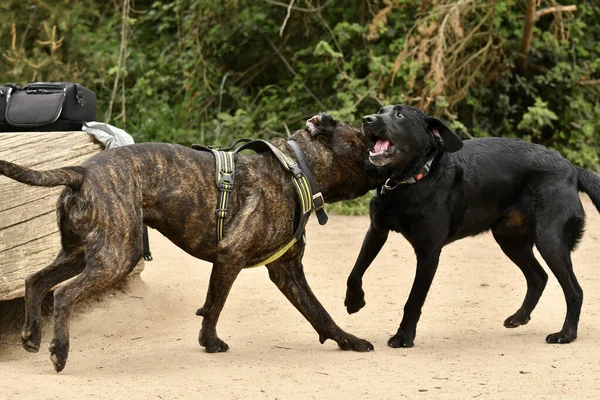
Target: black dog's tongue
382, 145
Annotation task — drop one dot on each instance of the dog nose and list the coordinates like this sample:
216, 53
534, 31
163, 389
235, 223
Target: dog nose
368, 119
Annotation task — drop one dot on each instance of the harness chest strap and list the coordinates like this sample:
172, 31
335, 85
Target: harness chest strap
224, 179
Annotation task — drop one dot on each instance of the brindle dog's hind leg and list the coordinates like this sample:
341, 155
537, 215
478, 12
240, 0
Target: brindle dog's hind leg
109, 258
223, 275
231, 259
67, 264
288, 274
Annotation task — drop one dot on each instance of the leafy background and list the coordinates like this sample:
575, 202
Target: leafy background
209, 71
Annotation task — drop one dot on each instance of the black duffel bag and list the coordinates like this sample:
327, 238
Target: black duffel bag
46, 106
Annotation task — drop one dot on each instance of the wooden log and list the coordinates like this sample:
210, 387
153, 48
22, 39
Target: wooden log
29, 237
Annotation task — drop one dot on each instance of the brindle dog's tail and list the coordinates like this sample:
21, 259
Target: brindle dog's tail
589, 183
68, 176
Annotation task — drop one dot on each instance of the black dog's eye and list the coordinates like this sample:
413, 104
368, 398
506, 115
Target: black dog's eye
399, 115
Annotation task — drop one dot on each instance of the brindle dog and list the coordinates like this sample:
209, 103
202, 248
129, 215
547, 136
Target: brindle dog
171, 188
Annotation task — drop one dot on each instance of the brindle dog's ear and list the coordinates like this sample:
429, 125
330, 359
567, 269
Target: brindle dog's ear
321, 125
452, 143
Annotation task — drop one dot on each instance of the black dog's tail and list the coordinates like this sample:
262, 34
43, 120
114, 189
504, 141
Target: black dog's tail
589, 183
69, 176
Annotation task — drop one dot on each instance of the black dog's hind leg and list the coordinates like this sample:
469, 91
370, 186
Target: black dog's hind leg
65, 266
427, 263
288, 274
372, 244
557, 255
519, 248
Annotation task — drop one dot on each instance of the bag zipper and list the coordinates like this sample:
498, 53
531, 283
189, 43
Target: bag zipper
44, 88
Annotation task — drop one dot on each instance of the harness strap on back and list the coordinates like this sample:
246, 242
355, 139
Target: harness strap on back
224, 179
298, 179
317, 197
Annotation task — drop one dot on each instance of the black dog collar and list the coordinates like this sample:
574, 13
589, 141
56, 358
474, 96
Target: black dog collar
391, 184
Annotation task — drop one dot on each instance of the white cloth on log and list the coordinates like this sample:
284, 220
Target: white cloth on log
110, 136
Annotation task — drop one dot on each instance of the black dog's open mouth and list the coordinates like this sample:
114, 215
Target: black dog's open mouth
381, 146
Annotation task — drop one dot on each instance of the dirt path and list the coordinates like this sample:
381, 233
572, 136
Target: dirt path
142, 344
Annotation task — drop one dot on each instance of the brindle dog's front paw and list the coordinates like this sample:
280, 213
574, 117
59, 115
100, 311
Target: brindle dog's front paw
31, 336
351, 342
58, 354
213, 345
561, 337
355, 299
402, 339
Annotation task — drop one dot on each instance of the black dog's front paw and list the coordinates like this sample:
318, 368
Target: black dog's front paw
561, 337
355, 299
516, 320
402, 339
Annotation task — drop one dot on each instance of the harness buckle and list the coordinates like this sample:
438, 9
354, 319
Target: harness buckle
296, 170
226, 182
318, 201
221, 213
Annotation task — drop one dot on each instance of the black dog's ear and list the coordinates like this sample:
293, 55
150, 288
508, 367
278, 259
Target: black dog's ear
452, 143
321, 125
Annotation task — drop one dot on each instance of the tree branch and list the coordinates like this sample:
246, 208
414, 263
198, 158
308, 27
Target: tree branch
589, 82
526, 39
549, 10
289, 67
287, 16
316, 9
122, 55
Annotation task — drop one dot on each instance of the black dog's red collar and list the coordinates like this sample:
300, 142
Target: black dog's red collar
391, 184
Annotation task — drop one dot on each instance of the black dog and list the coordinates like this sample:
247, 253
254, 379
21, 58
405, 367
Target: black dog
171, 188
524, 193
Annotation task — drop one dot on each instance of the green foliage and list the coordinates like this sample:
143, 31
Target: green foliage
209, 71
359, 206
536, 118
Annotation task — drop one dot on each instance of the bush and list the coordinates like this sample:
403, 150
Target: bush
208, 71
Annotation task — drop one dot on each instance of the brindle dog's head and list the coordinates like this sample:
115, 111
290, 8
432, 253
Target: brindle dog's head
402, 136
338, 155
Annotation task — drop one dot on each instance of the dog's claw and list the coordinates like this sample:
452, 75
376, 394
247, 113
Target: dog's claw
30, 347
401, 339
217, 346
57, 356
513, 322
561, 338
351, 342
213, 345
31, 338
200, 312
322, 338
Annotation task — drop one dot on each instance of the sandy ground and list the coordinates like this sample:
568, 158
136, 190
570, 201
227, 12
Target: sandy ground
141, 343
